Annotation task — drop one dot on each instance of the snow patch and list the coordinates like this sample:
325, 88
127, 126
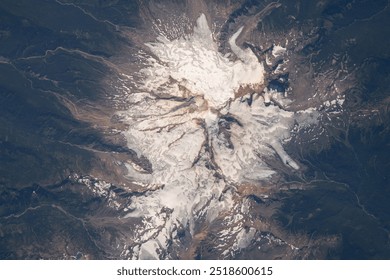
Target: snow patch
278, 50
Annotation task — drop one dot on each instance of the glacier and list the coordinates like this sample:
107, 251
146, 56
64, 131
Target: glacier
204, 121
